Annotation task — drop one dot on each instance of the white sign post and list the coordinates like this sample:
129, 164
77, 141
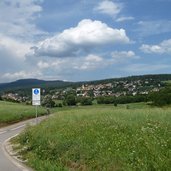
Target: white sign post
36, 98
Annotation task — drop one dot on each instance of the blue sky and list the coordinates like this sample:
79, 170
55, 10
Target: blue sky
83, 39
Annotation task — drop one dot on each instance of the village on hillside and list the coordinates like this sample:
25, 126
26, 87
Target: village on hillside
117, 88
113, 88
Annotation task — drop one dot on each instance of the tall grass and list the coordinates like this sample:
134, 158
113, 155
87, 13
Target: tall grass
13, 112
100, 139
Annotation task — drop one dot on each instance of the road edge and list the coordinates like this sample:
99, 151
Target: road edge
18, 163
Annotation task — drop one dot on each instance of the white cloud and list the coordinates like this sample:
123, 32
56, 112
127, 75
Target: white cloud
43, 65
17, 18
12, 55
145, 68
89, 62
121, 19
85, 63
21, 75
120, 56
86, 35
17, 48
163, 47
109, 7
93, 58
147, 28
52, 64
18, 31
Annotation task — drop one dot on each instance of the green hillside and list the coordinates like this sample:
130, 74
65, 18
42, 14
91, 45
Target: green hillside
14, 112
100, 138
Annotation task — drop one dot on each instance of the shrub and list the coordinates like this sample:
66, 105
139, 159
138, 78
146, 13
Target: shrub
86, 101
71, 100
161, 98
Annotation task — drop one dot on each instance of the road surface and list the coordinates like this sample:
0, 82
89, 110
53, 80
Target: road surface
7, 163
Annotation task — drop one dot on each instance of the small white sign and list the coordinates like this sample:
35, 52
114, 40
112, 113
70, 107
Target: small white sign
36, 96
36, 103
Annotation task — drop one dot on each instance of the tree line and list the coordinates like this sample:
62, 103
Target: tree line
160, 98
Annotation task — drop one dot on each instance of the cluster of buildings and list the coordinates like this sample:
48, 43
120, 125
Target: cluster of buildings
115, 88
14, 97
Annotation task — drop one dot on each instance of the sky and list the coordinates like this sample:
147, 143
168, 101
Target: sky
78, 40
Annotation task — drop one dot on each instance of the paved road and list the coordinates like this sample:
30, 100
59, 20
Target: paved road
6, 162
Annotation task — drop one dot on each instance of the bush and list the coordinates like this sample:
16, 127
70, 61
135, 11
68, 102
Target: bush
121, 99
161, 98
48, 102
105, 100
86, 101
115, 104
71, 100
59, 105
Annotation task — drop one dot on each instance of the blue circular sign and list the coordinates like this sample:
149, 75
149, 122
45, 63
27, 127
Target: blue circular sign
36, 91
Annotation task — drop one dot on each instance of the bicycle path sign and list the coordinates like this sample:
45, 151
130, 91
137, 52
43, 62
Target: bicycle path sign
36, 96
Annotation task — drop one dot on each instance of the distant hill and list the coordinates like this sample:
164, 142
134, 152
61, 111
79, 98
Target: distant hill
159, 77
24, 85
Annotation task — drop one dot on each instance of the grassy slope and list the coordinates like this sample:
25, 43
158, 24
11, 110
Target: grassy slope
101, 138
13, 112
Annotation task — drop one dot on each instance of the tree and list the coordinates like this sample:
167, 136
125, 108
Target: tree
161, 98
48, 102
86, 101
71, 100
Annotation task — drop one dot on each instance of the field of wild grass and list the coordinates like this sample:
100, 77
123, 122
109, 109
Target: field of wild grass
100, 138
13, 112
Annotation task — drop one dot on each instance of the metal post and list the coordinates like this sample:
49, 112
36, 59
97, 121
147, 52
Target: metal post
36, 115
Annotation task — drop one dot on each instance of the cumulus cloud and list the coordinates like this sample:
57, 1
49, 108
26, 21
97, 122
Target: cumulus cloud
163, 47
86, 35
109, 8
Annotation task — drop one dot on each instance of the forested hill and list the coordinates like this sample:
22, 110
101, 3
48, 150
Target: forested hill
25, 85
158, 77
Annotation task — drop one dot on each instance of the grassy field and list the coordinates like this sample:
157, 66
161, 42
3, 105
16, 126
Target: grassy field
14, 112
101, 138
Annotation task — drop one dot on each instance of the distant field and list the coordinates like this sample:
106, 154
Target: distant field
101, 138
13, 112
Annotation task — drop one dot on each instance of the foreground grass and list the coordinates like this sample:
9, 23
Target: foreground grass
14, 112
100, 139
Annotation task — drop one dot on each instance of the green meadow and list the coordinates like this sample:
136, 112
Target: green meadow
14, 112
101, 138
